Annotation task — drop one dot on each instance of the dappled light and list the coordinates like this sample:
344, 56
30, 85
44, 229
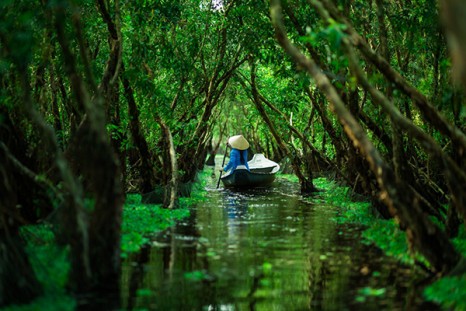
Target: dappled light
232, 155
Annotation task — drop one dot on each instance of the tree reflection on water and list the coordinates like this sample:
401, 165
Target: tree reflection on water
264, 249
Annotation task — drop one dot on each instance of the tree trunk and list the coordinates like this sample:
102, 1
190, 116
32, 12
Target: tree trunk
95, 265
423, 234
306, 182
170, 199
146, 170
429, 113
453, 15
18, 283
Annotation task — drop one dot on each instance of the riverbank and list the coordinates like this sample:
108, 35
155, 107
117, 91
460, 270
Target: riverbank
449, 292
141, 223
263, 249
50, 263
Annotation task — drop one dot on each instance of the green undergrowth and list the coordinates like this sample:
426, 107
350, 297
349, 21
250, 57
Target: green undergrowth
50, 262
51, 267
449, 292
141, 221
358, 210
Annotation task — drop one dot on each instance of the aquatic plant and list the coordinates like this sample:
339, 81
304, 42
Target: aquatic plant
140, 221
50, 261
51, 266
449, 292
367, 292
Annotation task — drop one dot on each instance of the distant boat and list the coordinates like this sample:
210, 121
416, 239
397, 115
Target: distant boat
261, 173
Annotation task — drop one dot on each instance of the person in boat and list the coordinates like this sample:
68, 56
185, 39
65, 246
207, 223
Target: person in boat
239, 153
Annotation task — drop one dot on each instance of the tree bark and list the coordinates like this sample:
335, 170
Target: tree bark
429, 113
146, 169
307, 185
96, 266
170, 200
454, 19
18, 282
423, 234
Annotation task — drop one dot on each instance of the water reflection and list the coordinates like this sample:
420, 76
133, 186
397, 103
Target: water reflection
236, 209
263, 249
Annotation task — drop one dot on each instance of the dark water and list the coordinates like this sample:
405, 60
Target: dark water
265, 249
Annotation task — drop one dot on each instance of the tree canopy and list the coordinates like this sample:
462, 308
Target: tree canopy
102, 98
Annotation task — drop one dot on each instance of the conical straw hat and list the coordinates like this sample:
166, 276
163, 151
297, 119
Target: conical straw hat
238, 142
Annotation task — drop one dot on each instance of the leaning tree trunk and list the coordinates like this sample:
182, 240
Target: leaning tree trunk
170, 199
97, 267
453, 14
146, 170
422, 233
307, 185
428, 111
14, 262
214, 150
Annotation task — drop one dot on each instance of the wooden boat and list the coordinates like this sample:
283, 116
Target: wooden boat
261, 173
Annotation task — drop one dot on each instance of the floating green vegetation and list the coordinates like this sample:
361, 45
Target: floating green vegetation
198, 276
50, 261
449, 292
51, 267
383, 233
358, 212
368, 292
289, 177
140, 221
386, 235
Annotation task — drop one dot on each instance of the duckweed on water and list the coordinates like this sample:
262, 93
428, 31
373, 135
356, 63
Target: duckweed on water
368, 292
383, 233
51, 267
50, 262
449, 292
140, 221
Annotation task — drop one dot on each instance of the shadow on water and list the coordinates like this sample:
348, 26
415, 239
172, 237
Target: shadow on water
265, 249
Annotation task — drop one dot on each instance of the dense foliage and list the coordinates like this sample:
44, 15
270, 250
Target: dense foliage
102, 98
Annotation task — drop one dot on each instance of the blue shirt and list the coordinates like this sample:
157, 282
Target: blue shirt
235, 159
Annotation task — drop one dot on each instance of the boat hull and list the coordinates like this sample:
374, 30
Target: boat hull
244, 178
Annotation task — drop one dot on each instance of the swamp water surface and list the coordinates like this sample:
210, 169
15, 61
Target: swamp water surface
265, 249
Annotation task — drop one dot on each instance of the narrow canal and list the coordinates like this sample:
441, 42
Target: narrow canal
265, 249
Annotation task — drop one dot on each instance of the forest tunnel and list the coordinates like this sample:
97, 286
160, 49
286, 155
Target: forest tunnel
103, 98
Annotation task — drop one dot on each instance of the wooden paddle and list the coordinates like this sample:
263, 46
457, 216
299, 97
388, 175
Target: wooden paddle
223, 163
